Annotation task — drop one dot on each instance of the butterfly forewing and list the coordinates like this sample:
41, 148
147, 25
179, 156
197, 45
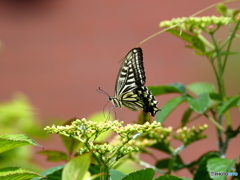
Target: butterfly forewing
129, 89
131, 74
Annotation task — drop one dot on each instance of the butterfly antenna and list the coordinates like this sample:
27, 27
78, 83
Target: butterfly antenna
102, 91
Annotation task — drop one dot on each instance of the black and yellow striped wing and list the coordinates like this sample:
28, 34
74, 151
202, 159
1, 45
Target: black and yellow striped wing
130, 91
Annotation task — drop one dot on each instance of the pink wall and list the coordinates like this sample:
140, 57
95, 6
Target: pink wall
59, 52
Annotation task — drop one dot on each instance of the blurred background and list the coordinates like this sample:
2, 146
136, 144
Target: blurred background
56, 53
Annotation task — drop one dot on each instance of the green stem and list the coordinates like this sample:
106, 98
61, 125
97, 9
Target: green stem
229, 44
219, 126
116, 151
174, 156
205, 41
215, 72
220, 79
104, 171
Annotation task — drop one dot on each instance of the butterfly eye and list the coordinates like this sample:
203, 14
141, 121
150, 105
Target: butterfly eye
110, 98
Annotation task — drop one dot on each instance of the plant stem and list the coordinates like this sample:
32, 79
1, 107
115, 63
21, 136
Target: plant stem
174, 156
219, 77
229, 44
104, 171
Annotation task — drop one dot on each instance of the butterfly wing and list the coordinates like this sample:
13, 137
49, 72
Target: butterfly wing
131, 74
140, 98
129, 89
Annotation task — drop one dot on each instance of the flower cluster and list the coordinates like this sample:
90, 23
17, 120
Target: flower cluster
88, 131
107, 150
132, 131
197, 24
83, 129
149, 138
190, 135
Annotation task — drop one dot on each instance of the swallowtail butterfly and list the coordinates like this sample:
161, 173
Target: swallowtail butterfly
130, 91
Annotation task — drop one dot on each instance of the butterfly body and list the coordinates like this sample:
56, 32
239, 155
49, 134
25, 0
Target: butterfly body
130, 91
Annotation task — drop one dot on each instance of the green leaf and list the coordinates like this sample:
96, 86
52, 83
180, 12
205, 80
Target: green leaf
10, 141
169, 107
16, 173
222, 9
94, 169
216, 96
238, 103
164, 147
77, 168
164, 163
231, 102
186, 116
220, 165
201, 87
170, 177
54, 173
54, 156
200, 104
116, 175
144, 174
202, 172
194, 40
172, 88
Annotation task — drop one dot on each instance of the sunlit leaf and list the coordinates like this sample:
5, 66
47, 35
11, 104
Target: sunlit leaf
77, 168
201, 87
220, 165
194, 41
16, 173
10, 141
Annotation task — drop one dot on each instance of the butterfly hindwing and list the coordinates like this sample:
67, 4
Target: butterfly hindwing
141, 98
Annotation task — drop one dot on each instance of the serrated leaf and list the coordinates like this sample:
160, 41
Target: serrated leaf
10, 141
17, 173
54, 156
116, 175
200, 104
194, 41
169, 107
201, 87
172, 88
54, 173
231, 102
170, 177
220, 165
144, 174
77, 168
186, 116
